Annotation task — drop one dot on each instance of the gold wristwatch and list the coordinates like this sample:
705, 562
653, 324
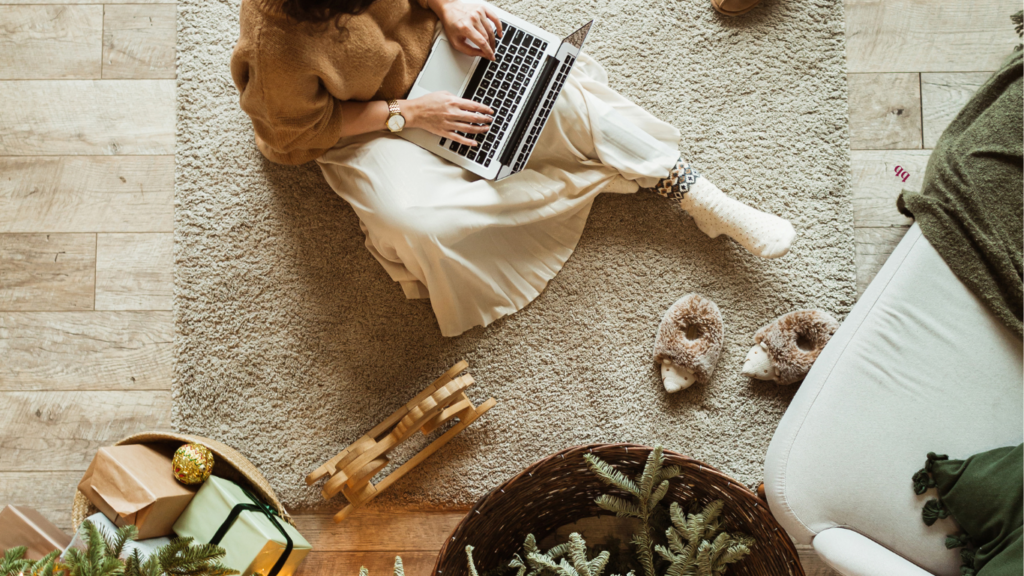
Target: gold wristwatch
395, 121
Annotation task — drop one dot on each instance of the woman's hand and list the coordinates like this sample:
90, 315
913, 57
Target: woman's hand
465, 21
444, 114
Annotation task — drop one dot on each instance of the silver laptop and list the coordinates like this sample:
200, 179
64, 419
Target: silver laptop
521, 86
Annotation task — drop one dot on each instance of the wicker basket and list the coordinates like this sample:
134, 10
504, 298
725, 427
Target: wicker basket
228, 463
560, 490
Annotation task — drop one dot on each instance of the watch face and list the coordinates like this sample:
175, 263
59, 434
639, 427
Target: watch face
396, 123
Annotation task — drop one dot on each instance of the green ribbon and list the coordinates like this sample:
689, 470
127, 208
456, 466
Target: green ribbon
267, 511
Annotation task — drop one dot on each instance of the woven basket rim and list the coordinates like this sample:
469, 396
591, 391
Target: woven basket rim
82, 508
783, 540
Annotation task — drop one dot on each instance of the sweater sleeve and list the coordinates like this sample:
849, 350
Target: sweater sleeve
295, 118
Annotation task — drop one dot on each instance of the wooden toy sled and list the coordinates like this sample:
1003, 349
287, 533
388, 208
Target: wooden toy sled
352, 470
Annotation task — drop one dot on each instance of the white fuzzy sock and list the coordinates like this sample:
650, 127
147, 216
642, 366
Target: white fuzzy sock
762, 234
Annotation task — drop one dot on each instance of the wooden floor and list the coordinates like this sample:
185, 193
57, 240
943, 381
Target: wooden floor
86, 222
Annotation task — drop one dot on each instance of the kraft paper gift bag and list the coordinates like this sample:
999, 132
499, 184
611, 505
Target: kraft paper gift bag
23, 526
254, 538
134, 484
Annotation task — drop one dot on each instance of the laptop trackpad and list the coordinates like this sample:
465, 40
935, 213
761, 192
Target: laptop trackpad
447, 69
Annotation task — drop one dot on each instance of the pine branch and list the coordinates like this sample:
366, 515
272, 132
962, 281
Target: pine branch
642, 541
679, 520
619, 506
711, 513
14, 563
704, 559
578, 554
559, 551
733, 554
720, 544
665, 553
47, 565
744, 539
658, 494
566, 569
609, 475
518, 564
530, 546
675, 543
117, 541
544, 562
668, 473
598, 564
651, 470
96, 548
469, 561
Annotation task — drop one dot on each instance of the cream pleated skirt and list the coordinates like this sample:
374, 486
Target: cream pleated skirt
481, 249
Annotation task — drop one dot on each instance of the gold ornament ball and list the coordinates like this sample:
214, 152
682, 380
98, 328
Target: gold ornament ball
192, 464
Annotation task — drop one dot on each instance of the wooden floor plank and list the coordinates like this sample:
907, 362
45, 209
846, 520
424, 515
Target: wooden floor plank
79, 2
135, 271
874, 245
928, 36
50, 42
942, 97
51, 493
86, 351
87, 194
876, 184
885, 111
368, 529
54, 431
47, 271
86, 117
138, 41
378, 563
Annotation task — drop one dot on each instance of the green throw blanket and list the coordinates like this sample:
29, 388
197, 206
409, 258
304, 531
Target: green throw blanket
985, 495
970, 206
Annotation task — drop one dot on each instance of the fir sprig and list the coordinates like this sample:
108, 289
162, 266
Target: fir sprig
103, 554
95, 560
648, 494
696, 544
14, 562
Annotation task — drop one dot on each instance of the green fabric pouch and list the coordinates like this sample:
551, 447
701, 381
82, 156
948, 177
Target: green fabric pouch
985, 496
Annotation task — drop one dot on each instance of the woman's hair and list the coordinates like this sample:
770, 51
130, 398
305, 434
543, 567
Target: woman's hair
323, 11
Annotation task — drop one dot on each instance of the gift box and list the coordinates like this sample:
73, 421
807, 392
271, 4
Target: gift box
133, 484
23, 526
145, 547
254, 538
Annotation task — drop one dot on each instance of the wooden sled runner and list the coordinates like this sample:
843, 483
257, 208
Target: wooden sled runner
352, 470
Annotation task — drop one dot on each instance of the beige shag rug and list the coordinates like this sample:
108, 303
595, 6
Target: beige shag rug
292, 341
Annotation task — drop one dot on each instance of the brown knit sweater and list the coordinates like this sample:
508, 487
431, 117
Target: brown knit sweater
293, 76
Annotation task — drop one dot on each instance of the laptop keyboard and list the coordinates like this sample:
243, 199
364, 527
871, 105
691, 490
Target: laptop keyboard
501, 85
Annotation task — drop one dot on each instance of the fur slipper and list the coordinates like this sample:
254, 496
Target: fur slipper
785, 349
689, 342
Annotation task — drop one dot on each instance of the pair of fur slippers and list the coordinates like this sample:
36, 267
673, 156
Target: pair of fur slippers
689, 342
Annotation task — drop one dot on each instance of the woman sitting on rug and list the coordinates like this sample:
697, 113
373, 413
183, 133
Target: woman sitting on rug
317, 78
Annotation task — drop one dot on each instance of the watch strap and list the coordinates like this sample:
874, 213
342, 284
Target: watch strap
393, 108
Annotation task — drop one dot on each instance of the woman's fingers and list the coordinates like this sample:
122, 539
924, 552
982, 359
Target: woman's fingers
471, 106
480, 34
469, 128
470, 118
458, 138
467, 48
499, 32
484, 27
